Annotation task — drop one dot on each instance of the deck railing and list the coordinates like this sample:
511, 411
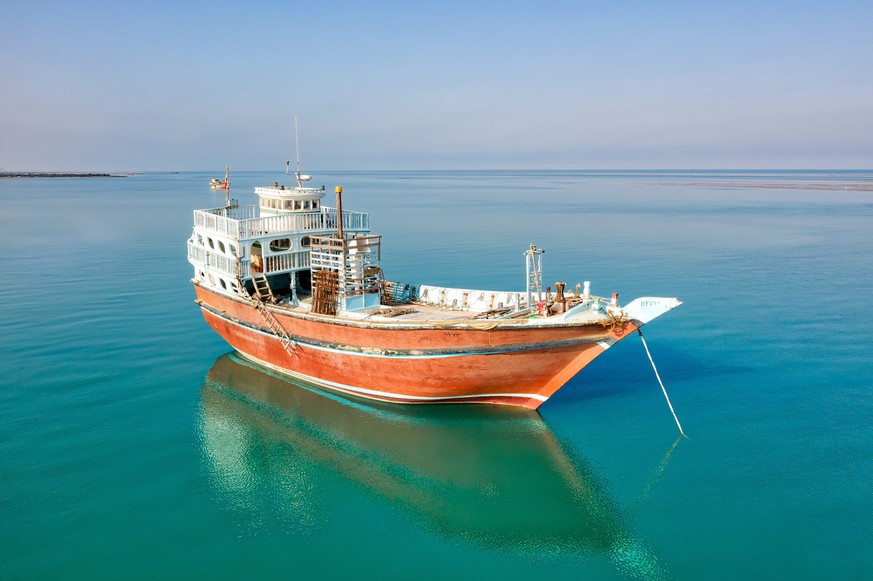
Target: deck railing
285, 262
356, 260
226, 264
243, 222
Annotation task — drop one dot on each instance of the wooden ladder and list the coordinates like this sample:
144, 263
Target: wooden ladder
263, 291
262, 288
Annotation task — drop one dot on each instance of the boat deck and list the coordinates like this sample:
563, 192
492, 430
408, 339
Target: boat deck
416, 312
399, 312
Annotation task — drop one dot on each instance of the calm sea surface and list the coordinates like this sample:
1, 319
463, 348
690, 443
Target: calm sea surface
135, 444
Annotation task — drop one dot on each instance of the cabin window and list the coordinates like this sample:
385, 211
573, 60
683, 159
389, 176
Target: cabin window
211, 243
223, 284
232, 249
280, 244
288, 204
306, 204
296, 204
221, 247
305, 241
315, 205
200, 239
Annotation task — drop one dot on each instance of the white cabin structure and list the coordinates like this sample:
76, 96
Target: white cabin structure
274, 248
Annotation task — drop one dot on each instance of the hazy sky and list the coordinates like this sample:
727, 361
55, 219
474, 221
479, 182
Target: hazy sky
88, 85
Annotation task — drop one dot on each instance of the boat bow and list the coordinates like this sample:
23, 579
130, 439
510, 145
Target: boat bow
645, 309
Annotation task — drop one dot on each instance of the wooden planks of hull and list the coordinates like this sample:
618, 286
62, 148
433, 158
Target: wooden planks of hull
513, 366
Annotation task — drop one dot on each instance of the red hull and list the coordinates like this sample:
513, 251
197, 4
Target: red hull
510, 365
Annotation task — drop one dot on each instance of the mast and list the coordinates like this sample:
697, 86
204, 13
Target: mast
339, 212
534, 267
297, 175
227, 186
297, 147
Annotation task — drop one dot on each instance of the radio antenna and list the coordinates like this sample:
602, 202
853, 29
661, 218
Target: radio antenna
300, 178
297, 147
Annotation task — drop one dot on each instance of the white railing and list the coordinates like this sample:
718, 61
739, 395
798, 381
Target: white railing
290, 261
234, 212
273, 264
211, 222
356, 260
225, 264
243, 222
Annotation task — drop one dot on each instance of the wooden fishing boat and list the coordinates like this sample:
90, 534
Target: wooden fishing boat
297, 287
217, 184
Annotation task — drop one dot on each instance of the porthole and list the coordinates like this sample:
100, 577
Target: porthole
280, 244
221, 247
211, 243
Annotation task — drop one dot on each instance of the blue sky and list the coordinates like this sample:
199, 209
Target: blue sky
111, 86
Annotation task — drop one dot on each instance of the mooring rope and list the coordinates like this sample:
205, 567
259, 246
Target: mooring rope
664, 389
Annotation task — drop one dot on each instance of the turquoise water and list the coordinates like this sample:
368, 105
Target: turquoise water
133, 444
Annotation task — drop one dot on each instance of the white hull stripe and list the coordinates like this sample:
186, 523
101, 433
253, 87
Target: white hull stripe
253, 329
383, 394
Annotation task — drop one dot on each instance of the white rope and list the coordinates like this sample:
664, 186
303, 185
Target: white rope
664, 389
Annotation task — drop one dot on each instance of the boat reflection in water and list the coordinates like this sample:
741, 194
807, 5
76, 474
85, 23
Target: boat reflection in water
493, 475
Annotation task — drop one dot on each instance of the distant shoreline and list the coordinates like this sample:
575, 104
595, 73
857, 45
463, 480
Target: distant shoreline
829, 186
47, 174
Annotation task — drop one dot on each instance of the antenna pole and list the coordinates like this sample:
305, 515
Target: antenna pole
227, 186
297, 147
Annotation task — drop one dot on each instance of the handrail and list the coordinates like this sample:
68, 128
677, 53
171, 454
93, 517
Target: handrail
229, 265
242, 222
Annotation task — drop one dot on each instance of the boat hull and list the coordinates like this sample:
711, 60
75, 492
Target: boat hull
505, 364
